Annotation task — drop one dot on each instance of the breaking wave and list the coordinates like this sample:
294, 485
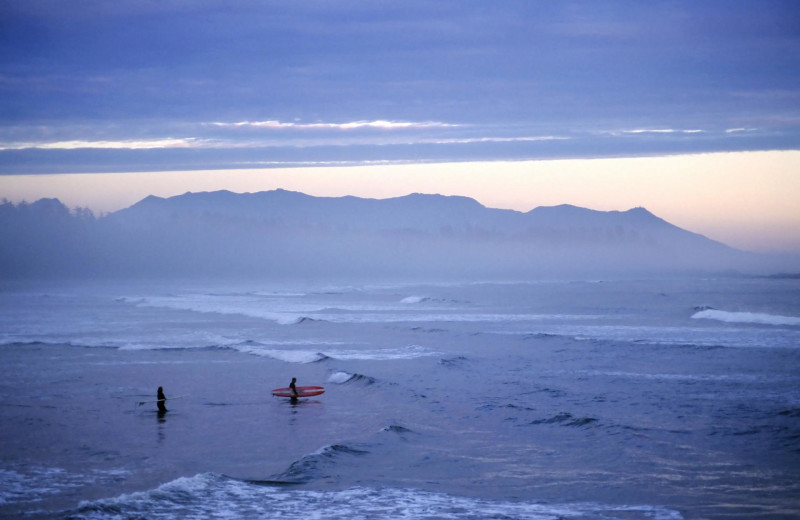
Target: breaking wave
396, 428
315, 465
323, 354
676, 336
289, 356
747, 317
384, 354
215, 496
340, 378
415, 299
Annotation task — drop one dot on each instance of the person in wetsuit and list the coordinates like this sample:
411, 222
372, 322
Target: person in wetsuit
293, 387
161, 400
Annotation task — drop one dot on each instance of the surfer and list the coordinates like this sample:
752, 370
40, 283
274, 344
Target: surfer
161, 400
293, 387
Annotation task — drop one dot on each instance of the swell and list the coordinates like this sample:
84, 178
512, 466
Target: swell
345, 378
778, 428
758, 318
319, 351
566, 419
318, 465
35, 343
699, 339
327, 462
213, 495
224, 305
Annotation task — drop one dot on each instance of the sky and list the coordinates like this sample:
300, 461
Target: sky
691, 109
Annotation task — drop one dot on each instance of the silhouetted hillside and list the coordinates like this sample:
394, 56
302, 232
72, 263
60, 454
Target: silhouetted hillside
288, 234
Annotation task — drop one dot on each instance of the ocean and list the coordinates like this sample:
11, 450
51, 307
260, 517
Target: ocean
669, 398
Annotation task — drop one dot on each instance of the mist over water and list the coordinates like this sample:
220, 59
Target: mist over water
281, 235
662, 398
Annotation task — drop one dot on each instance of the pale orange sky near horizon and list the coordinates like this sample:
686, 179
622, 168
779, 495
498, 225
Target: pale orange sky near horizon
748, 200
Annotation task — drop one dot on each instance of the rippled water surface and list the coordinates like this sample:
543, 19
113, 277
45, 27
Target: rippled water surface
662, 399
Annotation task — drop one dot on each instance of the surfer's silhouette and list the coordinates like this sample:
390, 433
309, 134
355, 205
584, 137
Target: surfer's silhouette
162, 409
293, 387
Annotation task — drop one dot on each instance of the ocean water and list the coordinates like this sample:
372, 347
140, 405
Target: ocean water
602, 399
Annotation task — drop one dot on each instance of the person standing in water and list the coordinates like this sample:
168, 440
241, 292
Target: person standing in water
161, 400
293, 387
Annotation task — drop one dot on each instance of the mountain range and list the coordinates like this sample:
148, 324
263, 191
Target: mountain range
288, 234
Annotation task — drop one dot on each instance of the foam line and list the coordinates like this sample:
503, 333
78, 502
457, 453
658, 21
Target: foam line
747, 317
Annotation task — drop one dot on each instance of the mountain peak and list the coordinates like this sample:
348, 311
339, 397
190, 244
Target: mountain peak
283, 232
150, 200
640, 212
437, 198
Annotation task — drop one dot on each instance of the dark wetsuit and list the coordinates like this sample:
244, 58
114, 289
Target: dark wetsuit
161, 400
293, 388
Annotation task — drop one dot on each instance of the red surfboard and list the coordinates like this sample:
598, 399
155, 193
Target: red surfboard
302, 391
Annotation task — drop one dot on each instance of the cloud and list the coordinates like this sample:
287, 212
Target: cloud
130, 144
197, 143
374, 73
738, 130
377, 124
661, 131
471, 140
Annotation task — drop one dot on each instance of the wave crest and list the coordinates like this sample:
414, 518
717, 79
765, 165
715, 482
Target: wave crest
313, 466
210, 495
746, 317
340, 378
566, 419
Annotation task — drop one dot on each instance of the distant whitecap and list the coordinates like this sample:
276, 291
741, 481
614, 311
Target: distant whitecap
289, 356
747, 317
414, 299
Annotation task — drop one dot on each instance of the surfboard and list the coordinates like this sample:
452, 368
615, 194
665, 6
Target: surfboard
302, 391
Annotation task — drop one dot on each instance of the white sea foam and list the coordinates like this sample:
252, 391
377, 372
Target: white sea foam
289, 356
340, 377
414, 299
747, 317
214, 496
311, 356
251, 306
290, 311
740, 337
157, 340
444, 317
385, 354
16, 487
170, 340
285, 294
32, 484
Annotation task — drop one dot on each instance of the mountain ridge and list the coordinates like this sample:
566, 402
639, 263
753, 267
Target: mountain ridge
424, 212
281, 233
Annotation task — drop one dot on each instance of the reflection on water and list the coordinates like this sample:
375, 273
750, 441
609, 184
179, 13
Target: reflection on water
627, 401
